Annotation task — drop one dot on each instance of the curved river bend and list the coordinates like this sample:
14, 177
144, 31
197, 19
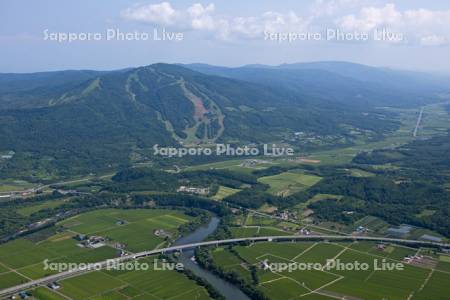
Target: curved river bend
226, 289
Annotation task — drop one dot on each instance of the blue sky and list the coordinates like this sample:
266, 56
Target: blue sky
222, 32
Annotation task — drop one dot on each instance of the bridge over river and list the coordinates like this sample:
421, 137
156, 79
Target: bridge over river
118, 260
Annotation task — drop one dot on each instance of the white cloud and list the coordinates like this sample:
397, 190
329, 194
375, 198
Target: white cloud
276, 22
198, 10
333, 7
204, 18
201, 16
162, 13
370, 18
421, 26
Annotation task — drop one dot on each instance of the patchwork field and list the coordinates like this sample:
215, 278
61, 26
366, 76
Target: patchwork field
374, 224
136, 232
322, 282
254, 223
287, 183
435, 122
150, 284
22, 260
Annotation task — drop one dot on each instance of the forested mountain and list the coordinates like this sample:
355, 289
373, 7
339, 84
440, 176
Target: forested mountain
14, 82
349, 83
78, 121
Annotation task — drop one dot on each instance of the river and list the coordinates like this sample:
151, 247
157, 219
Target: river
226, 289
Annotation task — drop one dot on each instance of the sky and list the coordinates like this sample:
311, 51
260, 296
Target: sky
47, 35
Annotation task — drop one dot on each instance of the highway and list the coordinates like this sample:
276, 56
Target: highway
103, 264
419, 119
42, 187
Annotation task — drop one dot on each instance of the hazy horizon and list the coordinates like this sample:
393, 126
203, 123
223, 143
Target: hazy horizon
436, 72
407, 35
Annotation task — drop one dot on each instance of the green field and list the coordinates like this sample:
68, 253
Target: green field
239, 232
43, 293
360, 173
287, 183
372, 223
23, 259
11, 279
435, 122
136, 233
31, 209
8, 185
88, 285
316, 198
413, 282
151, 284
224, 192
233, 165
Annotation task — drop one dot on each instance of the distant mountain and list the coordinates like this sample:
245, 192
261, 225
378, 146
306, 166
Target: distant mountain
78, 121
13, 82
410, 80
343, 82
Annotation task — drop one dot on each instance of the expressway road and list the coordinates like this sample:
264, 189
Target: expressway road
419, 119
103, 264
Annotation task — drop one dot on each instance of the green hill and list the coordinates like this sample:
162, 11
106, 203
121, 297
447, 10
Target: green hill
68, 123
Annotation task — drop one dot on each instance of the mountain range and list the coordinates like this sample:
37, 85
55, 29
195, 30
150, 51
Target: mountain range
77, 121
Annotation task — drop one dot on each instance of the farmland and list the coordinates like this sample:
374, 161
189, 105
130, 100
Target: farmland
415, 281
289, 182
23, 259
136, 232
29, 210
150, 284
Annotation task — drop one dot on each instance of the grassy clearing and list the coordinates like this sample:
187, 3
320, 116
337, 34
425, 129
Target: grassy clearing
9, 185
444, 258
224, 192
29, 210
316, 198
360, 173
287, 183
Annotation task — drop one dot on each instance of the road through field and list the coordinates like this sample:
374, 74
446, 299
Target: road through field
103, 264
